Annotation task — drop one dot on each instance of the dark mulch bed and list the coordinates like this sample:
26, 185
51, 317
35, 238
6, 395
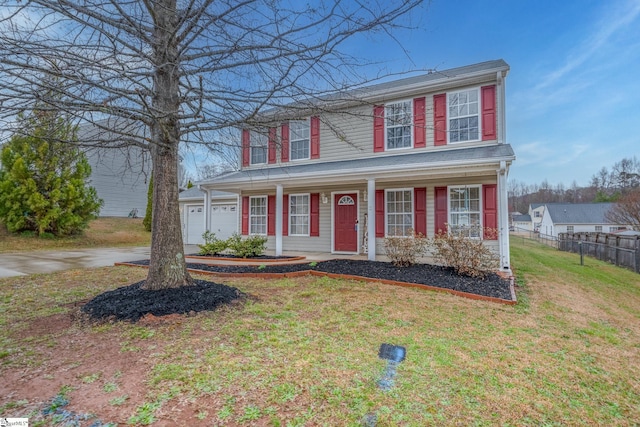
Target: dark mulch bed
425, 274
132, 303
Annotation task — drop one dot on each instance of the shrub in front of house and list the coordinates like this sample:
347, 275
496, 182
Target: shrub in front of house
251, 246
404, 251
212, 245
466, 255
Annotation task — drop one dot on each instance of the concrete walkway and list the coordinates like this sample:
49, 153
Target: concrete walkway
24, 263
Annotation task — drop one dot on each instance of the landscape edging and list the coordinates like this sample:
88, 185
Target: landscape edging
352, 277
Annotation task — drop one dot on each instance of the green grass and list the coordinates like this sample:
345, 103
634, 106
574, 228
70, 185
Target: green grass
304, 351
102, 232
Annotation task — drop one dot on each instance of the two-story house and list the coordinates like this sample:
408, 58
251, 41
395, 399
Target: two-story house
425, 153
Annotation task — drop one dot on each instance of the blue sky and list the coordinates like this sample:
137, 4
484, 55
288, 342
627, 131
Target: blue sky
573, 92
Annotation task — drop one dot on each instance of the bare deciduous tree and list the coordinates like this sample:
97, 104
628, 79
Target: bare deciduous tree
626, 211
180, 69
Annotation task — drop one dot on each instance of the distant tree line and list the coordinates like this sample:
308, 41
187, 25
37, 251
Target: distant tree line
607, 185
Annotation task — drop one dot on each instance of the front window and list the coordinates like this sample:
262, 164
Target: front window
299, 138
569, 228
399, 212
464, 211
464, 116
398, 119
299, 214
258, 215
258, 148
598, 229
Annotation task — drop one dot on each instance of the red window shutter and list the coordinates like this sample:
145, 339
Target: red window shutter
315, 137
245, 215
271, 215
285, 215
419, 123
441, 209
420, 210
246, 150
440, 119
488, 98
314, 221
490, 211
380, 213
272, 145
284, 149
378, 128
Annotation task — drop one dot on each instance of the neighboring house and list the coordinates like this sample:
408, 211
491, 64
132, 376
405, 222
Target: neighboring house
536, 212
121, 180
577, 218
119, 175
426, 153
223, 215
521, 223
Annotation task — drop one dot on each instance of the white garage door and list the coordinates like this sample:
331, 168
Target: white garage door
224, 221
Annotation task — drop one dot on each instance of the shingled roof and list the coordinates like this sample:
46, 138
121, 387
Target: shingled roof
579, 213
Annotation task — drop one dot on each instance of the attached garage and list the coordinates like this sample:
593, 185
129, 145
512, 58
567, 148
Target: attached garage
224, 215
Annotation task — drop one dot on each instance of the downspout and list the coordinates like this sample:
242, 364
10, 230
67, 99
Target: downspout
502, 130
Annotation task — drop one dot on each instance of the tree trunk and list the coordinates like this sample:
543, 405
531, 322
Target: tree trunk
167, 266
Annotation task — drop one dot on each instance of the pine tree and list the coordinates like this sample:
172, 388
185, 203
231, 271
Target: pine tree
43, 182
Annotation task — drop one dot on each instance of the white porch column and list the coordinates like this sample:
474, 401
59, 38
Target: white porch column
279, 194
207, 210
503, 218
371, 214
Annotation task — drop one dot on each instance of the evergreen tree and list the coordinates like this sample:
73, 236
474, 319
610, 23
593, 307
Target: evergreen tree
43, 182
147, 216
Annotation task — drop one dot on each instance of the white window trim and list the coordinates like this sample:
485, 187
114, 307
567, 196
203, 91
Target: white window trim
411, 132
252, 138
481, 207
308, 120
386, 210
479, 92
266, 215
307, 234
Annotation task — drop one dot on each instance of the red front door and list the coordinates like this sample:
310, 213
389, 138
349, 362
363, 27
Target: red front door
345, 229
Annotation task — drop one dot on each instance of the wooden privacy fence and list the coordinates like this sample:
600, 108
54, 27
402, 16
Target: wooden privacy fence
623, 251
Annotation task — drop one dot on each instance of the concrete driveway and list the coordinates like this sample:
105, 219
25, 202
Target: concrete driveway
23, 263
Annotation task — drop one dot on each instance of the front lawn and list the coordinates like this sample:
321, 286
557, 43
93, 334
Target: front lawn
102, 232
303, 351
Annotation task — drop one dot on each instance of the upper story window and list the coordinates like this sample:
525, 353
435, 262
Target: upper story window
258, 148
299, 139
464, 115
465, 211
399, 212
398, 120
258, 215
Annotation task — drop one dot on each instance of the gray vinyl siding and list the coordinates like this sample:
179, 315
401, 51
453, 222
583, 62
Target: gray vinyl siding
349, 135
121, 179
